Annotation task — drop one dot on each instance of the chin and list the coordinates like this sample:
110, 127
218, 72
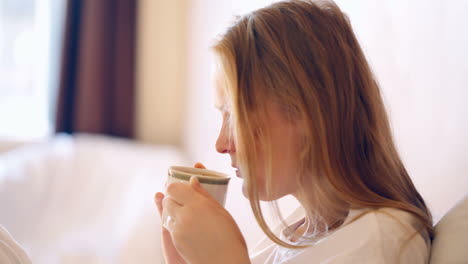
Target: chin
244, 191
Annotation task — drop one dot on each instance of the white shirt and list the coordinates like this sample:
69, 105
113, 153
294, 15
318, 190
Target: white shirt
379, 236
10, 251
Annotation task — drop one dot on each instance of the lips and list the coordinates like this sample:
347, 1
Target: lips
238, 174
237, 170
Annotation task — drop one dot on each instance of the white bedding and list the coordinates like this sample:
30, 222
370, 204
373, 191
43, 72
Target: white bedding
84, 199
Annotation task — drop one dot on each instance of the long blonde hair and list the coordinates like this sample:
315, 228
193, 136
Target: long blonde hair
304, 56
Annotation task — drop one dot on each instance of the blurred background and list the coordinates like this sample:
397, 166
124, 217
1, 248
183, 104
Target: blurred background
128, 84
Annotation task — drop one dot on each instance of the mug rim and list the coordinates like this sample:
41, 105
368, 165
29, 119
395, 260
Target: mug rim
185, 173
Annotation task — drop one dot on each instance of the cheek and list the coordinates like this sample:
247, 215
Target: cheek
284, 171
283, 183
280, 182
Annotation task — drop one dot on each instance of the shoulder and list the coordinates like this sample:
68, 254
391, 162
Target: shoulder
368, 236
397, 226
372, 236
386, 235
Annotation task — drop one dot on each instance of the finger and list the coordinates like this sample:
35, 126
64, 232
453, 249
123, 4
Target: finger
181, 192
158, 197
171, 207
169, 225
199, 165
197, 186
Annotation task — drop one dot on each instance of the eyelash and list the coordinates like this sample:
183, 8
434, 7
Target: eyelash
226, 117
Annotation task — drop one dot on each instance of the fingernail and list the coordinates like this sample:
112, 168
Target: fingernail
194, 179
159, 196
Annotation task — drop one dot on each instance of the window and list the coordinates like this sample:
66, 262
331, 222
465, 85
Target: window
30, 41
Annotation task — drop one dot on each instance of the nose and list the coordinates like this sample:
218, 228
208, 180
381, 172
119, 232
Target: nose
225, 143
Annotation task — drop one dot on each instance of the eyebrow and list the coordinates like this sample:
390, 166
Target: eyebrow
222, 108
218, 106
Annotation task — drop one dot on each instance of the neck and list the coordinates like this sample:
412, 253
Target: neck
322, 215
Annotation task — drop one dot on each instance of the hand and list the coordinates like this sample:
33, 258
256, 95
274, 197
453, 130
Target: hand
171, 256
213, 238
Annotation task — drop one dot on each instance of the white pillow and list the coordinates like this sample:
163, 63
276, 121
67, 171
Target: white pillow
450, 244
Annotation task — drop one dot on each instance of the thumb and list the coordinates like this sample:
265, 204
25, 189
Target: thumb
197, 186
158, 201
199, 165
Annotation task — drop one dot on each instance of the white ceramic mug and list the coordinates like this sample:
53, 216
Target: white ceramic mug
215, 183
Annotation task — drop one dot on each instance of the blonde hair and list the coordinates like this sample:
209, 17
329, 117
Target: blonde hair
304, 56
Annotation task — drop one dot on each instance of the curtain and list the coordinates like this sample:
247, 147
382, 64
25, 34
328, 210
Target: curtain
97, 78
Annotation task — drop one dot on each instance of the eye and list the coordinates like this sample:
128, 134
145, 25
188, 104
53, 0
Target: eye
226, 116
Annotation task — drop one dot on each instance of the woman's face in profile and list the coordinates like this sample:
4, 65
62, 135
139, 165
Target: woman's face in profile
285, 148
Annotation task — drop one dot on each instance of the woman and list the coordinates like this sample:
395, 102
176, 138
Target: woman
303, 115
